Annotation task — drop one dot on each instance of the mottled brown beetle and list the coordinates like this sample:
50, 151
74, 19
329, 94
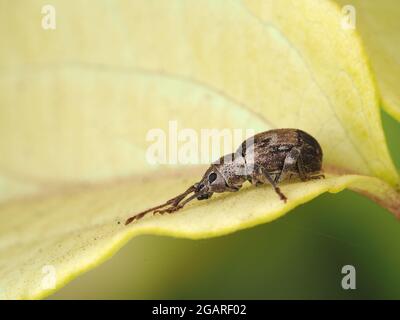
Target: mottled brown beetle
268, 157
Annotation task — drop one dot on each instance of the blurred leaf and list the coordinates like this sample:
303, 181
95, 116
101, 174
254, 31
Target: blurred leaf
379, 25
77, 102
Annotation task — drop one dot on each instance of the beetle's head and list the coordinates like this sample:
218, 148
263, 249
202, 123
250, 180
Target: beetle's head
212, 181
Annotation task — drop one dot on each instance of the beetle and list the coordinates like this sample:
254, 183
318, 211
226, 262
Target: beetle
269, 157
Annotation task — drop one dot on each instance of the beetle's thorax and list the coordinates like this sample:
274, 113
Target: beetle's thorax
233, 168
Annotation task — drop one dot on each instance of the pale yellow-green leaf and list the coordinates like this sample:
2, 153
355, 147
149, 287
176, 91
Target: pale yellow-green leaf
77, 102
80, 229
379, 25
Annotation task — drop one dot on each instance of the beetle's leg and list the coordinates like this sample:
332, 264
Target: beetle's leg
302, 173
254, 178
290, 165
265, 175
318, 176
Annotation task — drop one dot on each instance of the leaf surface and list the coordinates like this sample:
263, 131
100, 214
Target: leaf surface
378, 22
77, 103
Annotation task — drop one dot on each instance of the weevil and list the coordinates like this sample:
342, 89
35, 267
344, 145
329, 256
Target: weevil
269, 157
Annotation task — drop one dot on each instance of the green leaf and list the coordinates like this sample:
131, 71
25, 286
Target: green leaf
78, 101
378, 22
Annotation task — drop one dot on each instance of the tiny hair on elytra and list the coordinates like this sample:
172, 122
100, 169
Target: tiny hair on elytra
269, 157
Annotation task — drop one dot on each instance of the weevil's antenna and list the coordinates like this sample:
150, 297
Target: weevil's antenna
178, 206
173, 202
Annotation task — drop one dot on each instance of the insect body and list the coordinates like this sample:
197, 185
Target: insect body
269, 157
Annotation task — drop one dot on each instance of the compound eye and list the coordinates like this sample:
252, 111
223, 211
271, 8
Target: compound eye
212, 177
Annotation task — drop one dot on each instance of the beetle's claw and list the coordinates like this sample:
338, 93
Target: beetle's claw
281, 195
